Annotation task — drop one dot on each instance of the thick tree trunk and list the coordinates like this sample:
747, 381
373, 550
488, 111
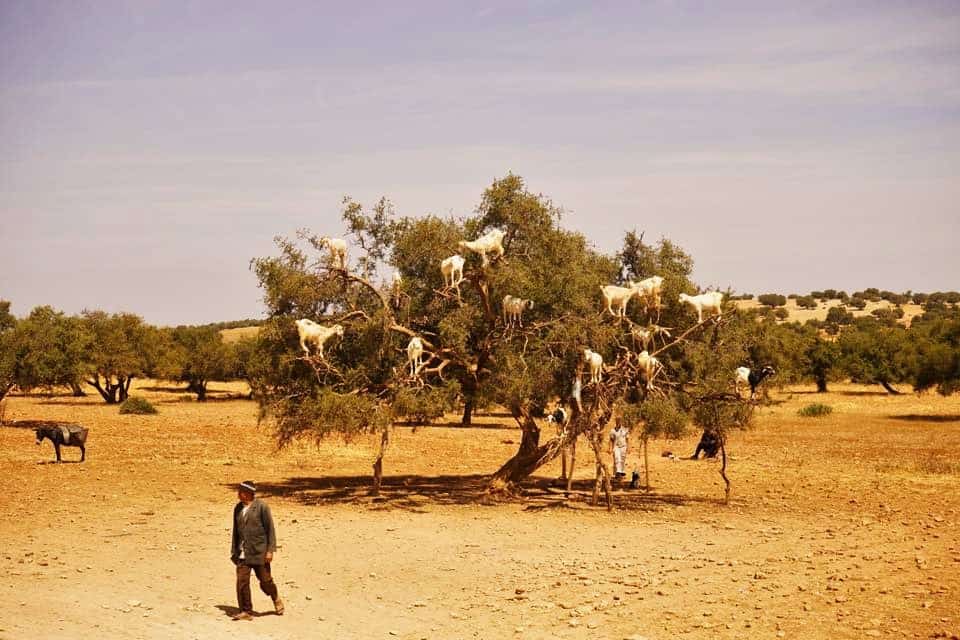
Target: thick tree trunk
201, 390
107, 392
468, 405
76, 390
821, 384
890, 390
529, 457
125, 388
603, 474
5, 389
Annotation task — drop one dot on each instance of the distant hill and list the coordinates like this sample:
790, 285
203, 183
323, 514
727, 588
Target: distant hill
820, 313
236, 334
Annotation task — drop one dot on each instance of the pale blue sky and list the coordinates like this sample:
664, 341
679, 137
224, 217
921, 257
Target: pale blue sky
149, 150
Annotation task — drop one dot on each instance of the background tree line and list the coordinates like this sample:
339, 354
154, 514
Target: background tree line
105, 352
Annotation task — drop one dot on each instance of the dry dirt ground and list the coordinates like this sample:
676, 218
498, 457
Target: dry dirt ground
839, 527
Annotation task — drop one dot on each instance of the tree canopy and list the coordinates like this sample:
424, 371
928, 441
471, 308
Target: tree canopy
471, 354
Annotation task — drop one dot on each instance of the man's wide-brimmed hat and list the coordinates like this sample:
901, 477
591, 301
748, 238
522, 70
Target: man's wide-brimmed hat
248, 485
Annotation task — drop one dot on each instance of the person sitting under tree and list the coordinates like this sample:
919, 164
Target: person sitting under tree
709, 444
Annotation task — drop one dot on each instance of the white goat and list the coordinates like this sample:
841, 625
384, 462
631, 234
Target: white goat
452, 270
650, 366
644, 337
711, 302
396, 282
620, 296
415, 355
513, 310
490, 242
650, 290
338, 250
595, 361
312, 333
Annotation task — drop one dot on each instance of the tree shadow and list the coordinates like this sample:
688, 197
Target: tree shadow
211, 399
413, 493
860, 393
915, 417
77, 403
455, 424
33, 424
54, 461
159, 389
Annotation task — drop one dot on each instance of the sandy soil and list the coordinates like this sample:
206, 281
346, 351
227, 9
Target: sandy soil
839, 527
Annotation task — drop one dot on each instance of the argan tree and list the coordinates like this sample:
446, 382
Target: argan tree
53, 347
363, 383
120, 348
9, 368
196, 356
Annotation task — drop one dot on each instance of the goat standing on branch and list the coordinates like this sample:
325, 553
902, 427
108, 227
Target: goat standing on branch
513, 310
312, 333
490, 242
415, 355
650, 367
650, 291
338, 250
711, 302
595, 362
643, 338
396, 282
620, 296
452, 270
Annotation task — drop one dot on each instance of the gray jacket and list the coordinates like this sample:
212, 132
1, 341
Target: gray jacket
255, 532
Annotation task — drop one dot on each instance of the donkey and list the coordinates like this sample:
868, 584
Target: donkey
70, 435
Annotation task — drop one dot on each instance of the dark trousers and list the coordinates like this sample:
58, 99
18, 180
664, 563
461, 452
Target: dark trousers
267, 585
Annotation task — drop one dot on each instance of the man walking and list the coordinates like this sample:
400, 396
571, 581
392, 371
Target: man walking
252, 548
618, 445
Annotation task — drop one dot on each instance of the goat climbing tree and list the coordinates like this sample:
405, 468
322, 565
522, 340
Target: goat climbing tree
363, 384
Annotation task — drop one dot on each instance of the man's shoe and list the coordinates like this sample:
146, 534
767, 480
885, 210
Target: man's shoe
278, 606
243, 615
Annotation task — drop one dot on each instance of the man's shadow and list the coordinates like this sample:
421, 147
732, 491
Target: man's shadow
231, 611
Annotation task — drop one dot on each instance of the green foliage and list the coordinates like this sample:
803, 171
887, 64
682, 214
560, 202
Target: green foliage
656, 417
137, 405
423, 406
857, 302
806, 302
639, 260
326, 412
53, 349
839, 316
815, 410
197, 355
871, 294
772, 299
120, 347
9, 349
876, 354
781, 314
936, 339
